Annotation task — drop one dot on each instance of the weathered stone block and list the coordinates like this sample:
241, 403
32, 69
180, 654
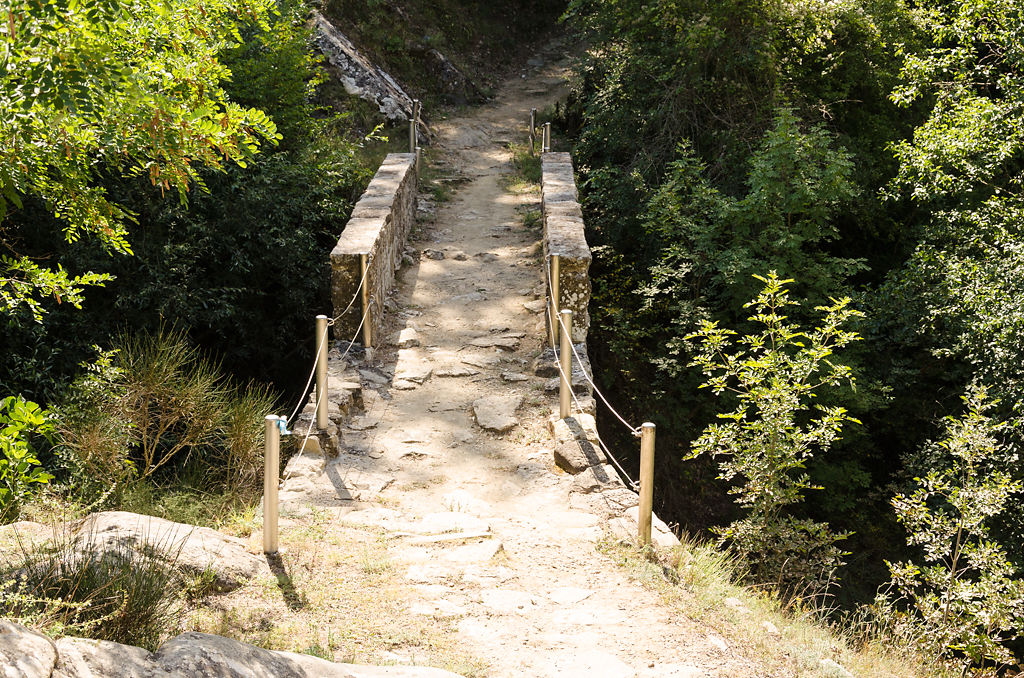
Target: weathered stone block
565, 236
576, 456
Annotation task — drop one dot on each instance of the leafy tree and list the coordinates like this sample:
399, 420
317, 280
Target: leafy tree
272, 221
964, 590
951, 312
713, 244
773, 376
95, 85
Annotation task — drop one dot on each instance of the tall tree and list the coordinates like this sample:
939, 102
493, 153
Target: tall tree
93, 86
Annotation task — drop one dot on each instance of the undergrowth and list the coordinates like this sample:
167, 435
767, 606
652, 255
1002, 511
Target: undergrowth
74, 587
798, 638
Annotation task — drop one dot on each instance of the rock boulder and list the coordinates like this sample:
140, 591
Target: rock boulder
195, 549
25, 653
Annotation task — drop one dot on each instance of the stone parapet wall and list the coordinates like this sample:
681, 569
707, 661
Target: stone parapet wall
378, 227
577, 445
564, 236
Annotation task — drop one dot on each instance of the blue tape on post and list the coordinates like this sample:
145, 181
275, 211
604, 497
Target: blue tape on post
282, 426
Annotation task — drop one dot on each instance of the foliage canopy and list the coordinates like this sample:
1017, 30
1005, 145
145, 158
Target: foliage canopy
91, 86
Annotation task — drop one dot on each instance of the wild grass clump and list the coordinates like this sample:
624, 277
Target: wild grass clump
782, 636
153, 410
527, 164
72, 587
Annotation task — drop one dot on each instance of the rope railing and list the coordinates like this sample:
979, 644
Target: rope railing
278, 426
646, 432
322, 338
635, 430
568, 378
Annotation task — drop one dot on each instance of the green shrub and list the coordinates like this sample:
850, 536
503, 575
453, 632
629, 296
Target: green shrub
20, 469
92, 444
527, 164
155, 403
963, 592
768, 437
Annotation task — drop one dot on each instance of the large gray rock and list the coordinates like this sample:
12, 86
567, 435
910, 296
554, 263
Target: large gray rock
358, 75
201, 654
194, 549
185, 656
22, 536
497, 413
85, 658
25, 653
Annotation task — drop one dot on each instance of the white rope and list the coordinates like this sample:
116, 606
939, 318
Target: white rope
635, 430
305, 392
312, 373
568, 380
309, 429
359, 329
316, 402
320, 343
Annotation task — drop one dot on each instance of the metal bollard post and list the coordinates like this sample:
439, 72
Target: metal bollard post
364, 261
414, 131
545, 146
646, 482
533, 131
419, 159
565, 357
271, 463
321, 371
553, 310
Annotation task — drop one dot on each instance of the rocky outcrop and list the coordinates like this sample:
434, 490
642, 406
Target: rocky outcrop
22, 536
358, 75
194, 549
27, 654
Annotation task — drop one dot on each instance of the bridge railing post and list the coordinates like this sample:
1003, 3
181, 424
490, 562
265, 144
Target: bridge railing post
533, 131
321, 371
565, 358
364, 262
646, 482
553, 301
414, 131
271, 472
545, 146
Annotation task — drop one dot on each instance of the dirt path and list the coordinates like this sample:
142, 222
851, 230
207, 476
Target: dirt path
476, 536
533, 598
